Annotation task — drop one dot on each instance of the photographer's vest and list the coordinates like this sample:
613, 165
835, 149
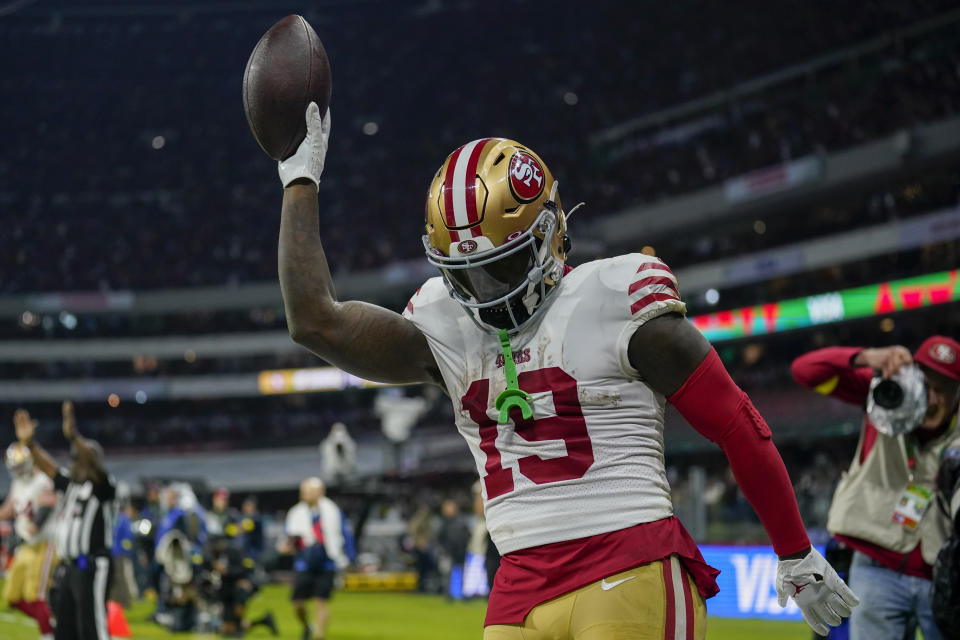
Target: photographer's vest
869, 492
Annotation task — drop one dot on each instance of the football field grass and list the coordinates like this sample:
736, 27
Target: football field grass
387, 616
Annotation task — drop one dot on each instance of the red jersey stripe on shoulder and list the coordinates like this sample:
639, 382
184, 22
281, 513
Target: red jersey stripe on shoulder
651, 280
650, 299
410, 306
654, 265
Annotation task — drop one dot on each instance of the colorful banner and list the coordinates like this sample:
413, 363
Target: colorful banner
747, 583
279, 381
847, 304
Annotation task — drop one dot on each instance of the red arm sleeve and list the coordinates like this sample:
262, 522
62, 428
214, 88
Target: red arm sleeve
828, 371
722, 412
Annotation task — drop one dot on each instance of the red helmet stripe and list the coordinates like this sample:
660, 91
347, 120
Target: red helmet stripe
470, 181
459, 185
448, 189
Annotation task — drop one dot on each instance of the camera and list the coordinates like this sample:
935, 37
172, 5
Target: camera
897, 404
888, 394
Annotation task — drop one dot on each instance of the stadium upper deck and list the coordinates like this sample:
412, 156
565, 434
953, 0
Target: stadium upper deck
145, 177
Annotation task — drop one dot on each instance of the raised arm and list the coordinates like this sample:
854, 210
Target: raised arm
360, 338
84, 449
25, 427
839, 372
676, 360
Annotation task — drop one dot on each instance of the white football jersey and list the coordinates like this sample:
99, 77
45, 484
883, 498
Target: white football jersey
24, 493
591, 459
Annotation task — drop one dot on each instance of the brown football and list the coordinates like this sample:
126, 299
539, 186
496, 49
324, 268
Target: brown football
287, 70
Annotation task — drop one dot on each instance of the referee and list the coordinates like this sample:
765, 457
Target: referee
84, 532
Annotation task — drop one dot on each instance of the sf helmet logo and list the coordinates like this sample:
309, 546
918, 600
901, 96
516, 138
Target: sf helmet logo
467, 246
526, 176
944, 353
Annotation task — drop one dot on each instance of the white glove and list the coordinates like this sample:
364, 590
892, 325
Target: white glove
822, 596
308, 161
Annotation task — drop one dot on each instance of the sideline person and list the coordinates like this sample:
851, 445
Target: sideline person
885, 507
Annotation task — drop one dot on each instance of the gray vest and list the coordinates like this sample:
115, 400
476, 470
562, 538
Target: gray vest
865, 499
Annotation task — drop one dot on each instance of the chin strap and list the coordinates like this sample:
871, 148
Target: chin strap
513, 395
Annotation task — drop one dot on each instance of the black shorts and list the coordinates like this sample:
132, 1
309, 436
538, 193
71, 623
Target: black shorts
313, 584
233, 592
233, 595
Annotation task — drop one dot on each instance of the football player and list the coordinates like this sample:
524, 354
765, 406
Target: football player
558, 377
30, 502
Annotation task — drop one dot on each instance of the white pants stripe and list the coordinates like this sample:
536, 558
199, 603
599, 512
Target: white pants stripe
45, 575
680, 629
100, 597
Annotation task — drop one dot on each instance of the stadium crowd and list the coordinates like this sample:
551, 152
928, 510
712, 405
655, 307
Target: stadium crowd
165, 158
898, 200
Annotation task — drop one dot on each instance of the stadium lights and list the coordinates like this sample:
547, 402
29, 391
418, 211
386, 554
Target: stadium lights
279, 381
29, 319
846, 304
68, 320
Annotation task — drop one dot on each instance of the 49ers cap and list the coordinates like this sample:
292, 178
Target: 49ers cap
940, 353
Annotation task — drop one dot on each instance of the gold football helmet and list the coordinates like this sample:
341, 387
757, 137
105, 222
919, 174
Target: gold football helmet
497, 231
19, 459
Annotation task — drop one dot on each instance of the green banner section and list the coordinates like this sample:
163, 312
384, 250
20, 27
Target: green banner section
847, 304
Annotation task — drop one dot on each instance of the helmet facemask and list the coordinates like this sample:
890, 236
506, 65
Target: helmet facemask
19, 461
504, 287
496, 230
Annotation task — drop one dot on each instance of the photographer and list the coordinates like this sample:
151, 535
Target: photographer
230, 574
180, 537
885, 507
221, 519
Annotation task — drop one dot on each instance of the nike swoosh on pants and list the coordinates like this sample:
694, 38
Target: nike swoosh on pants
606, 586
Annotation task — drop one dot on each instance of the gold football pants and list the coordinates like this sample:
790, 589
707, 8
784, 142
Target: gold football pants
29, 573
655, 601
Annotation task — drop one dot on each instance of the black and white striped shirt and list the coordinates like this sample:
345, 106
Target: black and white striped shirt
85, 522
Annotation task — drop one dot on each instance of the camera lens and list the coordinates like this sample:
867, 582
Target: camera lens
888, 394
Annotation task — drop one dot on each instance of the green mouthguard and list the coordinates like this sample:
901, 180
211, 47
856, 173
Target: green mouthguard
513, 395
